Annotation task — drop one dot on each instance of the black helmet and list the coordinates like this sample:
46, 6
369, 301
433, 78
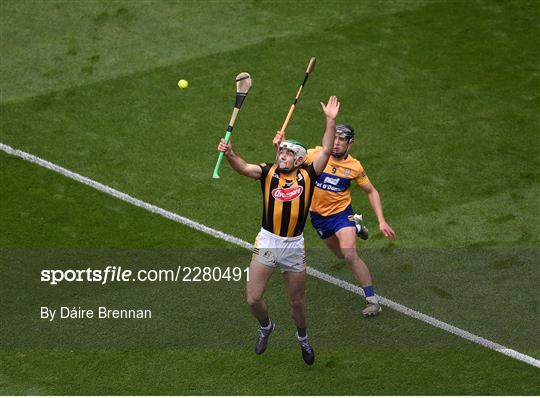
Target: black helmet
345, 130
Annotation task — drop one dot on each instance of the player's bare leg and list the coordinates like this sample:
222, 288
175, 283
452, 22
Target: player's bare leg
347, 242
333, 244
346, 238
259, 274
345, 247
296, 289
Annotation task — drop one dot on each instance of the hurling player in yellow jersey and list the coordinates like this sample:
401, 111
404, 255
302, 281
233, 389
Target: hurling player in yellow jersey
332, 215
287, 187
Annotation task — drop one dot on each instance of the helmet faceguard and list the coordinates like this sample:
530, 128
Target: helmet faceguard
346, 131
297, 148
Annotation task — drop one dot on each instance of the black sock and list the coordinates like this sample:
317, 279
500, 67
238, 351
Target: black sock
301, 332
265, 322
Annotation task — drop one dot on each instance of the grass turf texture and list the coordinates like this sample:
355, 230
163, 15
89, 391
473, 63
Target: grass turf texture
444, 95
201, 350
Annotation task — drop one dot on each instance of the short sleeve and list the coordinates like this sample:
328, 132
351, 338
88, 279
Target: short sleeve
362, 178
311, 171
310, 156
265, 168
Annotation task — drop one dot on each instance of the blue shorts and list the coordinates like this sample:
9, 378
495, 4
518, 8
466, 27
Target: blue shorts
326, 226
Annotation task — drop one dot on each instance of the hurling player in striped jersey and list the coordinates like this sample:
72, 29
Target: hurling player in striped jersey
331, 211
287, 189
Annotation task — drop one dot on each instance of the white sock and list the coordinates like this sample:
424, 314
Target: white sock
267, 327
372, 300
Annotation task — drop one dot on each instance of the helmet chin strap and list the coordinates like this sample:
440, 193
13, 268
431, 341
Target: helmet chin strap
282, 170
340, 154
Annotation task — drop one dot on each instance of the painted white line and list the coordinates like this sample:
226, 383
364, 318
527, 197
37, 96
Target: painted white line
125, 197
429, 320
234, 240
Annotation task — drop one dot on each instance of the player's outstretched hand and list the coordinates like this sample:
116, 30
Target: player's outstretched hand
224, 147
278, 138
387, 230
331, 109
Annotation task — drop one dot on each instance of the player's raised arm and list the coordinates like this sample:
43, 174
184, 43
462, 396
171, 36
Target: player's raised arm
331, 110
237, 163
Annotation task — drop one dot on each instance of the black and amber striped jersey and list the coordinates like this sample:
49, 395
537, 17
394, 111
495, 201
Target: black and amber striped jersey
286, 199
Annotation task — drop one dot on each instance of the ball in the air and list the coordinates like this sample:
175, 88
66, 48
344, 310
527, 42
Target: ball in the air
183, 84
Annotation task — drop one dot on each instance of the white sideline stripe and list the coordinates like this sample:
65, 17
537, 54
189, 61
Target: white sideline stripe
123, 196
232, 239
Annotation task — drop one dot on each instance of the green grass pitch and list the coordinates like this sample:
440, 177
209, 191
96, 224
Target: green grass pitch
444, 95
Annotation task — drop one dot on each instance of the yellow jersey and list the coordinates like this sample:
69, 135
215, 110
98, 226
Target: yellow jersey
332, 193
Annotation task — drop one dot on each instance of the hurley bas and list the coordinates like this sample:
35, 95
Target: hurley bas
100, 313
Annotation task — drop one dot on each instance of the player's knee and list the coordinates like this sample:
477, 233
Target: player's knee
253, 300
349, 255
298, 301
